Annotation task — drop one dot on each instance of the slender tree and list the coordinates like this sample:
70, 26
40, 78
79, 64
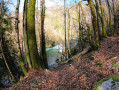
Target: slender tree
42, 37
88, 27
25, 34
94, 21
114, 15
1, 8
18, 41
68, 33
103, 20
110, 17
98, 19
65, 28
79, 28
34, 56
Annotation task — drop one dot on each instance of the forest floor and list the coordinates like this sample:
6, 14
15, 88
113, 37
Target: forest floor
79, 74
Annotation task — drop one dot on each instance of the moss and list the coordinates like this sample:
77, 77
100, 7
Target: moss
114, 65
100, 63
24, 69
103, 21
79, 28
94, 22
97, 84
34, 56
88, 27
25, 34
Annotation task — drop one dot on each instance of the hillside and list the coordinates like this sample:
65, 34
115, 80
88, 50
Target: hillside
81, 74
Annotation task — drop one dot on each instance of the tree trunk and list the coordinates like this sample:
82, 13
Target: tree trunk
2, 1
18, 41
109, 25
80, 32
114, 15
65, 29
34, 56
25, 34
88, 27
42, 37
68, 41
86, 50
98, 19
103, 21
94, 21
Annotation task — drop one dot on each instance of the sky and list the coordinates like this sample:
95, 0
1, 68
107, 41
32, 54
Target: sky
48, 3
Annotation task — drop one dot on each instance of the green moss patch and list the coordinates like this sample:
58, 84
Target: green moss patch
115, 65
100, 63
97, 84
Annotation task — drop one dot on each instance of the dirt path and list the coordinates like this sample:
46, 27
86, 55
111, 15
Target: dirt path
80, 74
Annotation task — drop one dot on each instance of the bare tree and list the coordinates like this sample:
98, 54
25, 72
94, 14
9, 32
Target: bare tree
42, 37
25, 34
18, 41
65, 28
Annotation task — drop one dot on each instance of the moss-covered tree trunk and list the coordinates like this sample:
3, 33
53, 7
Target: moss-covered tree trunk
88, 27
103, 20
94, 21
42, 37
34, 56
79, 23
24, 69
25, 34
98, 19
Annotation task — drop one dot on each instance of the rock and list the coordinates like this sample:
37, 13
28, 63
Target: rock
107, 85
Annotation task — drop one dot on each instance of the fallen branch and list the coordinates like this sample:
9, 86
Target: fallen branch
86, 50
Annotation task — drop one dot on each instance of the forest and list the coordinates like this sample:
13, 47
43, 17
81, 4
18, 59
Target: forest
59, 44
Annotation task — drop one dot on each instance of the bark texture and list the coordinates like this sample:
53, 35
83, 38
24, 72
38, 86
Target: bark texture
21, 60
25, 34
68, 34
98, 19
88, 27
34, 56
94, 22
42, 37
103, 21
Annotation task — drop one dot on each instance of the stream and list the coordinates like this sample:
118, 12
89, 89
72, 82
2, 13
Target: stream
56, 52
